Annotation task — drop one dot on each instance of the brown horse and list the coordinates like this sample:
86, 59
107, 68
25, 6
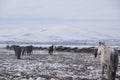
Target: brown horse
27, 49
50, 50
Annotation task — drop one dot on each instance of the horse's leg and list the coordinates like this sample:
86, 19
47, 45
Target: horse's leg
50, 53
26, 52
19, 54
29, 53
109, 72
102, 71
22, 52
113, 75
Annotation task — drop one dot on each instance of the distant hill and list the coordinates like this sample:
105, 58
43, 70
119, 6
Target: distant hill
67, 42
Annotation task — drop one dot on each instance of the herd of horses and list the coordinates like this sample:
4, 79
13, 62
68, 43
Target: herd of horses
26, 50
108, 57
22, 50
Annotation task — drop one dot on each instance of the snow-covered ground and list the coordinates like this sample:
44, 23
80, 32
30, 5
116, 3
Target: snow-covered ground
42, 66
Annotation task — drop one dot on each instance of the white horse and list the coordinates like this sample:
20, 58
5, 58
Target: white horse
109, 59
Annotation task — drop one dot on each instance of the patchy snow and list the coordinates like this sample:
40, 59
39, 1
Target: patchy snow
42, 66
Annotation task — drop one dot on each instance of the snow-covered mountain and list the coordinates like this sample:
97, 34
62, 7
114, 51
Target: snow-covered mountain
60, 33
113, 42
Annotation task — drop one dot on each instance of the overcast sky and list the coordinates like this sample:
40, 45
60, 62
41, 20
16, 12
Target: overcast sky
53, 20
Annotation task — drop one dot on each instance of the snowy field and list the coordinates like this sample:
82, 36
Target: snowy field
42, 66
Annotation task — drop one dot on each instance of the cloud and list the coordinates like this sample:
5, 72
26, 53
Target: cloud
55, 38
27, 34
5, 36
46, 20
65, 9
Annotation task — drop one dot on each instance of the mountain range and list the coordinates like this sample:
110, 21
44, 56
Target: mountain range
112, 42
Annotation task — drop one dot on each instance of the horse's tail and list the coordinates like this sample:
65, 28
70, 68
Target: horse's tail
114, 64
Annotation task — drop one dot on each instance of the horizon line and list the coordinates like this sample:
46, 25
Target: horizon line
55, 20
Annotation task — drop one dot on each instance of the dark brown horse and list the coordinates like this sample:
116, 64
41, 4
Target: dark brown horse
17, 50
50, 50
27, 49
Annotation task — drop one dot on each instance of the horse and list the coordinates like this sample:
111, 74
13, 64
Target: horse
17, 50
27, 49
50, 50
108, 59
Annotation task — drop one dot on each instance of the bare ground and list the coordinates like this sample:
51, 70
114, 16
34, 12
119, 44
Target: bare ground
42, 66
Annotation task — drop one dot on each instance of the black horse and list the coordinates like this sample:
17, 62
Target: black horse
50, 50
17, 50
27, 49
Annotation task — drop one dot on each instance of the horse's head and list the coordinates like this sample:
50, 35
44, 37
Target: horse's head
101, 47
